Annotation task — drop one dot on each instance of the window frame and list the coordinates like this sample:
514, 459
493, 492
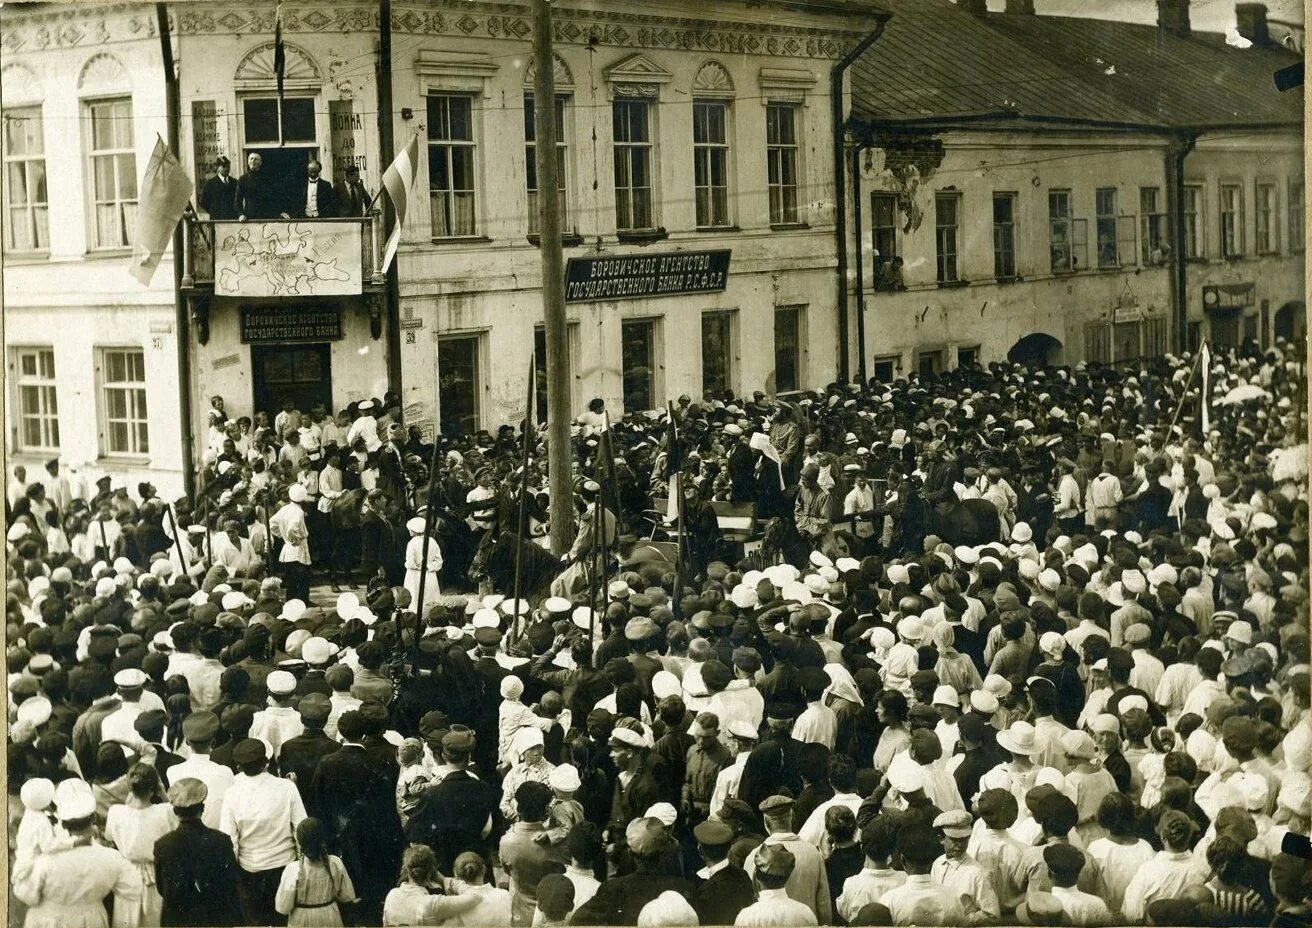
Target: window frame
973, 349
562, 160
877, 232
798, 311
449, 146
779, 155
1102, 217
1152, 225
47, 413
895, 367
1000, 268
105, 421
25, 162
1075, 233
630, 148
655, 359
929, 354
1296, 207
92, 153
1266, 226
941, 254
732, 358
1195, 239
1237, 225
708, 150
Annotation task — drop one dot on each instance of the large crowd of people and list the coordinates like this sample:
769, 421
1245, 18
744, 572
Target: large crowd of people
1006, 645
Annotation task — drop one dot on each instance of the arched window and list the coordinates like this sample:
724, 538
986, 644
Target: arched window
712, 96
26, 220
283, 132
110, 142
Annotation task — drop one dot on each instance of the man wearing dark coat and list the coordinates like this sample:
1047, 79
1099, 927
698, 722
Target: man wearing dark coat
299, 757
774, 762
218, 197
620, 898
457, 813
720, 890
195, 867
356, 799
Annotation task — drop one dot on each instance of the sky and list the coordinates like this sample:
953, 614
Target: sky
1205, 15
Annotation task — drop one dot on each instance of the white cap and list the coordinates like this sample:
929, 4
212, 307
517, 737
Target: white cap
297, 494
292, 610
348, 604
280, 683
130, 678
487, 618
945, 695
317, 650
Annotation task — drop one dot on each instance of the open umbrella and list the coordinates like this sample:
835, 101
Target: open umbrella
1244, 393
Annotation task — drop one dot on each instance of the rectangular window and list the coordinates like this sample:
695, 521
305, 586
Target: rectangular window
710, 161
947, 228
122, 377
929, 363
1268, 230
1232, 220
1105, 223
968, 357
788, 348
1153, 221
634, 169
540, 363
781, 154
531, 161
27, 223
1193, 211
282, 133
1296, 209
717, 352
1004, 235
459, 383
886, 368
451, 151
1068, 237
113, 172
38, 406
883, 240
638, 361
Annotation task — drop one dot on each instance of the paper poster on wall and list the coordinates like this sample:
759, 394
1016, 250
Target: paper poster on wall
205, 140
346, 138
287, 258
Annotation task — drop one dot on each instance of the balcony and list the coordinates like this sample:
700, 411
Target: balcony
283, 257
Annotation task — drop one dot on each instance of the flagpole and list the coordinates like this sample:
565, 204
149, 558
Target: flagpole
386, 152
606, 445
520, 533
423, 556
177, 541
1193, 372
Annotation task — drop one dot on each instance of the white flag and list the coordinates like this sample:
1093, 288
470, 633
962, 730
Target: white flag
397, 181
164, 193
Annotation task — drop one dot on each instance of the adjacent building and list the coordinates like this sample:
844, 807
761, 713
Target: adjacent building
1019, 178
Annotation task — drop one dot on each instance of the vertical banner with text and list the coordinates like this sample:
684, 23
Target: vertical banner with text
205, 140
346, 138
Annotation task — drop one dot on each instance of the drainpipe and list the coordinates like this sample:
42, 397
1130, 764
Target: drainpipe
173, 112
387, 151
1177, 149
859, 261
840, 184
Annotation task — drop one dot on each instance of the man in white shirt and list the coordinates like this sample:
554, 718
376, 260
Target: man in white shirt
774, 865
960, 873
18, 486
199, 730
921, 900
279, 723
120, 725
365, 427
808, 883
288, 523
260, 815
743, 738
1064, 863
842, 777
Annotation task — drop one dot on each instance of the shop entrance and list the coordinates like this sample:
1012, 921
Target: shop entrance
300, 373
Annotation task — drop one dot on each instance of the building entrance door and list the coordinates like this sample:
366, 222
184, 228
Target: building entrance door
458, 384
300, 373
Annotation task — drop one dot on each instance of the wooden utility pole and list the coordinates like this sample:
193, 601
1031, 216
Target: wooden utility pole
546, 132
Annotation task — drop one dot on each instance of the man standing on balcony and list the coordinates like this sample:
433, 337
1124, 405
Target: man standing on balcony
218, 198
352, 198
257, 195
317, 200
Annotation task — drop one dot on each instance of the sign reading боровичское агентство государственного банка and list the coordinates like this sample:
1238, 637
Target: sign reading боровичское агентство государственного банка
627, 277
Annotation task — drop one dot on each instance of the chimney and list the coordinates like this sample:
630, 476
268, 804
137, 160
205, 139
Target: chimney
974, 7
1173, 16
1021, 7
1250, 18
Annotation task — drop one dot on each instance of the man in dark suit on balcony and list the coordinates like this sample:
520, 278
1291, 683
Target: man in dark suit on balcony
258, 196
315, 199
352, 198
218, 197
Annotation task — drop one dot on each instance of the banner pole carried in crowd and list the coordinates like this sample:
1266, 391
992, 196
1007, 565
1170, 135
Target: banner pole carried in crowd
428, 534
1184, 396
521, 529
177, 540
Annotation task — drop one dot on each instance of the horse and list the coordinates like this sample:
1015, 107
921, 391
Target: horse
781, 542
970, 522
343, 518
495, 562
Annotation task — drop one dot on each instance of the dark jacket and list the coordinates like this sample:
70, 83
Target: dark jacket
619, 899
772, 764
451, 817
258, 196
356, 798
196, 874
352, 200
219, 198
299, 759
325, 199
718, 900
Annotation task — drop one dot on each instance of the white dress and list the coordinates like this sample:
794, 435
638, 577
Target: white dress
134, 832
67, 889
414, 560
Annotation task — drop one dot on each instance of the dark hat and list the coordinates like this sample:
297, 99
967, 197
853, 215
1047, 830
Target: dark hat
1064, 858
249, 751
646, 837
746, 659
150, 720
713, 833
715, 675
781, 709
555, 894
200, 726
488, 637
458, 743
315, 708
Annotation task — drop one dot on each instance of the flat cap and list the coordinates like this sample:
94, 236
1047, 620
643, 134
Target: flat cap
713, 833
459, 742
280, 683
314, 707
249, 751
187, 793
775, 804
200, 726
776, 860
